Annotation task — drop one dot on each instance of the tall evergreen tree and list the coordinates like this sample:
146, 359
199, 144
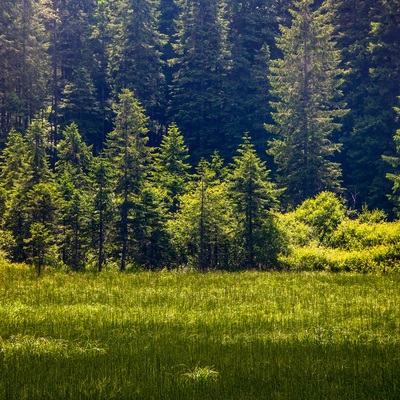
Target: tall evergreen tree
73, 167
128, 154
103, 209
204, 227
394, 176
135, 56
305, 83
198, 97
74, 64
32, 196
254, 196
23, 63
253, 26
368, 35
171, 166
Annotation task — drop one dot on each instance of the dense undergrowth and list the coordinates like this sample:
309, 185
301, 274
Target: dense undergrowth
323, 235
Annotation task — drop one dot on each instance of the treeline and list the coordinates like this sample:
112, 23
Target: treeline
133, 206
323, 76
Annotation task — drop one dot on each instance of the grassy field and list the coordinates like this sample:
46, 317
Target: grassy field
171, 335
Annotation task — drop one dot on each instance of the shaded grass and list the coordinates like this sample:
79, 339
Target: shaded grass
199, 336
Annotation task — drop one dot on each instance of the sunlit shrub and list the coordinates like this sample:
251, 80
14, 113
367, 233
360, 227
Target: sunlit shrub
322, 214
383, 258
356, 235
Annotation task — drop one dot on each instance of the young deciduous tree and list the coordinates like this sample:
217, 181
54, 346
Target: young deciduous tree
204, 227
305, 83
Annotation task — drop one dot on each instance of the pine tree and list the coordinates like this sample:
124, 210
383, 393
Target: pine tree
128, 154
368, 35
198, 94
254, 197
135, 56
305, 83
73, 167
171, 167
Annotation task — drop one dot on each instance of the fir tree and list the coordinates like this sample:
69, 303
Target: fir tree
305, 83
73, 166
171, 167
204, 227
394, 176
198, 94
255, 197
135, 56
128, 154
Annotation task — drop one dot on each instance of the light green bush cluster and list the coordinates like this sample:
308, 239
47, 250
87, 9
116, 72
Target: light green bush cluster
324, 237
383, 258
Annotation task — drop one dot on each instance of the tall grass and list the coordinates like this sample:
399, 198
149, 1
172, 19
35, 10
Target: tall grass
178, 335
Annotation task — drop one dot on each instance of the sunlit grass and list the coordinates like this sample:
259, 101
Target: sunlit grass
181, 335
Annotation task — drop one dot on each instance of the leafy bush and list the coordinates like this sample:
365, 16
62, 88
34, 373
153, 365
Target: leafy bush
356, 235
322, 214
384, 258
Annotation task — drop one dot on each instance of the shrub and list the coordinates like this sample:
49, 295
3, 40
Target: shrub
383, 258
323, 214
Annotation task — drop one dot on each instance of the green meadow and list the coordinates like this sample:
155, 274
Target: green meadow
186, 335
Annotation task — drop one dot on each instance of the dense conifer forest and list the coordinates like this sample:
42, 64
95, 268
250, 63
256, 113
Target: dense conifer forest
162, 133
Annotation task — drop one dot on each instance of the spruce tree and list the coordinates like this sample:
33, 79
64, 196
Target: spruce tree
254, 197
305, 83
31, 193
252, 28
74, 67
103, 209
203, 229
128, 154
368, 34
135, 56
24, 64
394, 176
198, 93
171, 166
73, 166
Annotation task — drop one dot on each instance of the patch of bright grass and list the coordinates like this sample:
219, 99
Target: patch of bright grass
170, 335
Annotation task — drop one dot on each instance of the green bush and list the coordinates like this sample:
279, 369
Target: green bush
356, 235
322, 214
383, 258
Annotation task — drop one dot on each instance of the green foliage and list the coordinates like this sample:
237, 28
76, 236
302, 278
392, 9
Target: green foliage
395, 176
134, 59
197, 92
377, 259
254, 197
203, 230
322, 214
305, 83
73, 166
322, 237
171, 170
